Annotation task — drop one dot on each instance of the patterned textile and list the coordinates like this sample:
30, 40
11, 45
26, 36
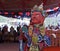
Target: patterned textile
45, 38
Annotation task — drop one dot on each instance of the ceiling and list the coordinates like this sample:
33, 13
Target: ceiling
18, 5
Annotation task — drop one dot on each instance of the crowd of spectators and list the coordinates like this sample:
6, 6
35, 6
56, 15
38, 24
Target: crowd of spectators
9, 36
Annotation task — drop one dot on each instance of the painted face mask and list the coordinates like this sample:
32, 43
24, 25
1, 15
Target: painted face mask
37, 18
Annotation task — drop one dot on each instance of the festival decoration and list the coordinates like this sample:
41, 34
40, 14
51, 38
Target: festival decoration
40, 7
6, 13
50, 10
28, 13
34, 8
30, 30
20, 13
12, 14
25, 29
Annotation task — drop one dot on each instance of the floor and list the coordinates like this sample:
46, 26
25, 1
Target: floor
52, 48
9, 47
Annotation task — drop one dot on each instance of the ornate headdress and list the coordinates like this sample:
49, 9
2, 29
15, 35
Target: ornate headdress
38, 8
